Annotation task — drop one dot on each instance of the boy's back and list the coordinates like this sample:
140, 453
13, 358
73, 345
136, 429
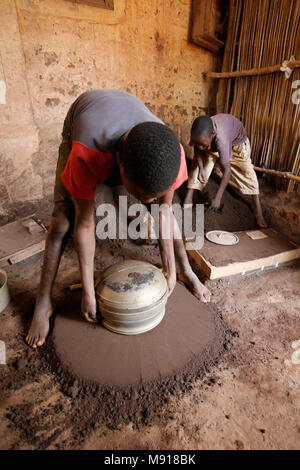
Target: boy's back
100, 119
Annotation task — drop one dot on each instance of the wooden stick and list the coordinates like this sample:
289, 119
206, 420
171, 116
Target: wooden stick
251, 72
78, 286
281, 174
219, 173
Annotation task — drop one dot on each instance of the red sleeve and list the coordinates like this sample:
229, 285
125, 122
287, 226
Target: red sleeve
84, 169
183, 173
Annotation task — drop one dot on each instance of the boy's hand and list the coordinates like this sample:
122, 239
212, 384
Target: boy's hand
215, 204
89, 307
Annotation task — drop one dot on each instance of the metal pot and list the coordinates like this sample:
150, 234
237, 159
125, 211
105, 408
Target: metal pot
132, 296
4, 293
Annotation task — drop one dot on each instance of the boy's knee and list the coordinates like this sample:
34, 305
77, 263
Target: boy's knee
59, 227
62, 222
63, 216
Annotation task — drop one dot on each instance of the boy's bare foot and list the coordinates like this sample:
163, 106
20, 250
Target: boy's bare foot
198, 289
89, 307
261, 221
258, 212
39, 327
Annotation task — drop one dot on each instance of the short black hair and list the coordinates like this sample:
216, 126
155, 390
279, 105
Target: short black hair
202, 127
151, 156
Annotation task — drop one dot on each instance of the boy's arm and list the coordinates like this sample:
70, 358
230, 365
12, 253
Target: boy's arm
216, 202
166, 245
175, 249
84, 237
199, 157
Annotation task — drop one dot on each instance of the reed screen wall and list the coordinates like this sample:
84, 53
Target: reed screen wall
264, 33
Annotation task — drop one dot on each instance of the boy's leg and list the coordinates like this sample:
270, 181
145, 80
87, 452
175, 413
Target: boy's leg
258, 212
61, 224
243, 174
55, 242
193, 181
189, 196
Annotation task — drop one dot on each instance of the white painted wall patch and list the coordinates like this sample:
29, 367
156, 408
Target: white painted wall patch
2, 92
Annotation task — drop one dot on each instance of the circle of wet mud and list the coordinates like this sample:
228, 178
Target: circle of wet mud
92, 353
139, 401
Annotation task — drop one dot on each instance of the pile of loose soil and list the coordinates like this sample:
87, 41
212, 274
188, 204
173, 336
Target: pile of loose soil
129, 378
235, 213
90, 404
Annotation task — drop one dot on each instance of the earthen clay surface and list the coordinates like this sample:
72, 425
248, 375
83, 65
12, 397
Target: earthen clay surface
187, 336
247, 249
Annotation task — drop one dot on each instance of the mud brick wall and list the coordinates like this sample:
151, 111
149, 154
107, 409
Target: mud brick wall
51, 51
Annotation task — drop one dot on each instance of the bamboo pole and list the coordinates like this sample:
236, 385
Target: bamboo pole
281, 174
251, 72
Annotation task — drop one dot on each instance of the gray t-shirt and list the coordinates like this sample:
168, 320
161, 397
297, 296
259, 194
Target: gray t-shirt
100, 119
229, 132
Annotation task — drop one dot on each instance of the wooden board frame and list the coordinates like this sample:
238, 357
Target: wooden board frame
243, 267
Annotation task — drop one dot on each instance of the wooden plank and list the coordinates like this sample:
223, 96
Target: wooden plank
109, 4
203, 265
15, 238
204, 25
217, 272
27, 252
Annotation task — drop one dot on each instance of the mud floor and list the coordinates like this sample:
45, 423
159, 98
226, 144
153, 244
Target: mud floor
247, 398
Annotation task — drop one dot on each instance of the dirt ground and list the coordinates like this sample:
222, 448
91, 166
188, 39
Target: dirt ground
249, 400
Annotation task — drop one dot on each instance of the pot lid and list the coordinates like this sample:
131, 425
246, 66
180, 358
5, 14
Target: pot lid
220, 237
130, 285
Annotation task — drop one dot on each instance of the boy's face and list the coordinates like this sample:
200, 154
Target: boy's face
136, 190
202, 142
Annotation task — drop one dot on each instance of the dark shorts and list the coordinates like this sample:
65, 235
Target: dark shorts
63, 202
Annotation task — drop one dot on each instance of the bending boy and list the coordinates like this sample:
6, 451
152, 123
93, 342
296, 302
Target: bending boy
108, 132
222, 138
